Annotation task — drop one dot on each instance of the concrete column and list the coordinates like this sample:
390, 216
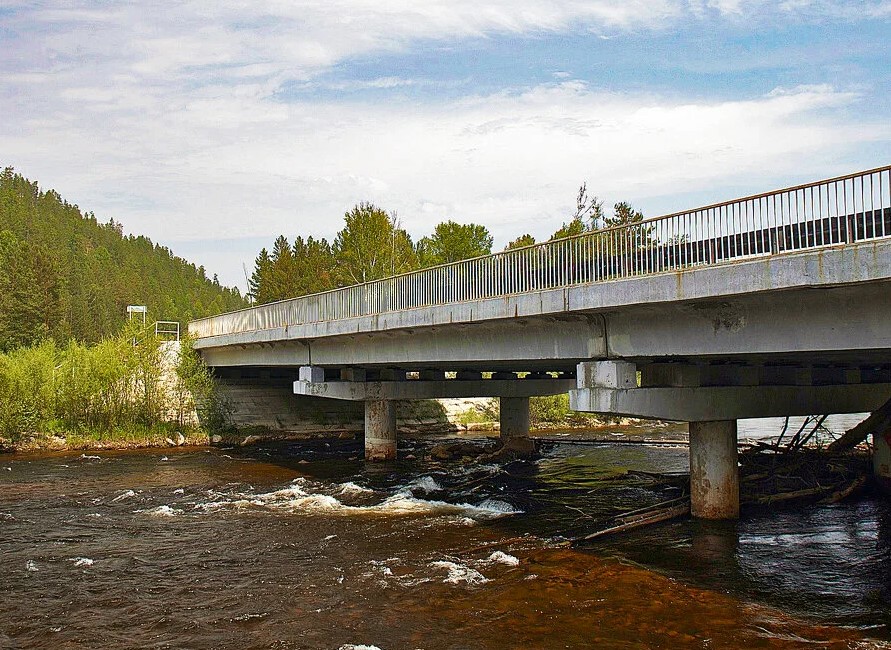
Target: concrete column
514, 421
881, 461
714, 471
380, 430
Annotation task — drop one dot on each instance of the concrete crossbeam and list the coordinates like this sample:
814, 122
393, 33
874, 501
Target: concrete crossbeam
420, 389
606, 374
692, 404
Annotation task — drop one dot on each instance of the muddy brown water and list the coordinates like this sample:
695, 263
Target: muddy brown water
217, 548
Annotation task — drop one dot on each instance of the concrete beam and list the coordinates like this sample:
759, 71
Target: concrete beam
853, 267
420, 389
693, 404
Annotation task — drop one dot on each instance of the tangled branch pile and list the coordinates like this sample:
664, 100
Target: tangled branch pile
794, 471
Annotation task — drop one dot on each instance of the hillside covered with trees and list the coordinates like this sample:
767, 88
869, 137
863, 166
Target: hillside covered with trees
65, 275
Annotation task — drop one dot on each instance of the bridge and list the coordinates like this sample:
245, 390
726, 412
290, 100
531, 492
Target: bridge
770, 305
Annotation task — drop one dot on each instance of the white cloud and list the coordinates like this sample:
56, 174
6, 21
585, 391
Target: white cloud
169, 117
252, 166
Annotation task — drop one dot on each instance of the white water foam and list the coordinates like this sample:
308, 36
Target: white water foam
494, 505
162, 511
296, 499
351, 646
351, 489
85, 457
124, 495
82, 561
30, 565
499, 557
426, 484
459, 573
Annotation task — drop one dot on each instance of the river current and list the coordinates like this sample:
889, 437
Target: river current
304, 545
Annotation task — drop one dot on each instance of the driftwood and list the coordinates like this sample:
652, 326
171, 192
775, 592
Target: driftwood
789, 496
879, 422
638, 518
840, 495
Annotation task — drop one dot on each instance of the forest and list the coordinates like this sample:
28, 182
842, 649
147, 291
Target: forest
373, 245
74, 372
65, 276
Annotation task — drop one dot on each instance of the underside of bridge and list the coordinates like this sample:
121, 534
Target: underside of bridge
796, 334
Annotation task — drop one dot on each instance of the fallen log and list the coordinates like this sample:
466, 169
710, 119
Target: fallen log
879, 422
638, 518
855, 486
788, 496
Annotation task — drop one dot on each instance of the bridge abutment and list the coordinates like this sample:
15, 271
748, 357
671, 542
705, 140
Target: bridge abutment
714, 470
380, 430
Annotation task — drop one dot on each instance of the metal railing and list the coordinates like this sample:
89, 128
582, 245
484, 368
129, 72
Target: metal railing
167, 330
837, 211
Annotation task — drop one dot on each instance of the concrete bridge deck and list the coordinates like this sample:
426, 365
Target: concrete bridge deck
777, 304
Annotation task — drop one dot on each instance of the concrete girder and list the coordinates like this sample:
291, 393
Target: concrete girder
710, 403
420, 389
799, 324
848, 266
519, 342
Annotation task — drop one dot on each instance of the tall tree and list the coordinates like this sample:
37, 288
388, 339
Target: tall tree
520, 242
451, 242
623, 215
282, 270
588, 215
30, 293
314, 266
371, 246
259, 278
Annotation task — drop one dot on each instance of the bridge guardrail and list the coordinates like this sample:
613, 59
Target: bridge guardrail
835, 211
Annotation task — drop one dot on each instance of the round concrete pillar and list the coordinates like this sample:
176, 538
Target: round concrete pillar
380, 430
514, 424
714, 470
881, 461
514, 417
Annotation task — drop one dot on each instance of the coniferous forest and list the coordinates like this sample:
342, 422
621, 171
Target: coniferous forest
65, 275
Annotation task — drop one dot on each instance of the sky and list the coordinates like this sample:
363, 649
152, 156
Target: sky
215, 126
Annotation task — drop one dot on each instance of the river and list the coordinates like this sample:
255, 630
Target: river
304, 545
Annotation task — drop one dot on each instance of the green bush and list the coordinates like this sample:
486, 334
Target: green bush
26, 395
554, 410
117, 388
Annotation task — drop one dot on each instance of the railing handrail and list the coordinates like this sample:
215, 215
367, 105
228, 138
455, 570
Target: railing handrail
556, 243
174, 330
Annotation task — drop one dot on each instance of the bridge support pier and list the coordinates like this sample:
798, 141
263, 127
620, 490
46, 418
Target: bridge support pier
514, 424
380, 430
714, 470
